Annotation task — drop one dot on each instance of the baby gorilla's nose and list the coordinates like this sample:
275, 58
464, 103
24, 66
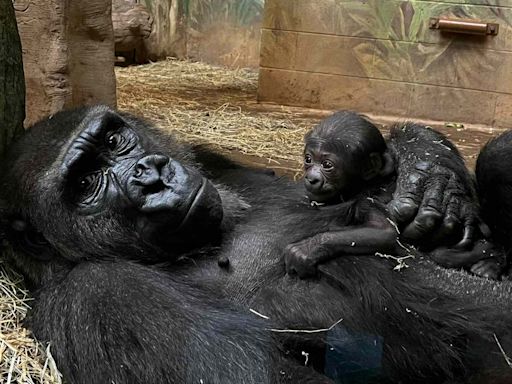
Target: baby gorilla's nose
313, 182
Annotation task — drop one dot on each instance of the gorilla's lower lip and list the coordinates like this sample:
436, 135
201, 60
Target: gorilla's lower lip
193, 203
324, 198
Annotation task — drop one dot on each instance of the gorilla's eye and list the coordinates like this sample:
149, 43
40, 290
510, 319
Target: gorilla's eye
307, 159
88, 185
112, 140
327, 165
118, 143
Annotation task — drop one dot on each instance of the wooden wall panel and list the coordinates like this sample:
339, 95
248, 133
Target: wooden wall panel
327, 91
503, 114
383, 97
396, 20
333, 48
278, 49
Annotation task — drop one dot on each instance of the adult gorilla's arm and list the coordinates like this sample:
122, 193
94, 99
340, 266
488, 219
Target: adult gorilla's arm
435, 198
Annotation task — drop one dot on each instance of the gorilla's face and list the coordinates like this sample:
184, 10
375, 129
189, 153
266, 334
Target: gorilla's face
115, 184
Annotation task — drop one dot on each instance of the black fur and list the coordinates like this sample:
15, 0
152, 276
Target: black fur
117, 307
494, 183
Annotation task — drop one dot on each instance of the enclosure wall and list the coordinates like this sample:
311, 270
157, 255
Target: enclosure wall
381, 57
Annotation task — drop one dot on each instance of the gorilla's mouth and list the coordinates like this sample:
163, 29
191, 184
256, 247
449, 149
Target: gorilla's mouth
195, 201
198, 217
325, 197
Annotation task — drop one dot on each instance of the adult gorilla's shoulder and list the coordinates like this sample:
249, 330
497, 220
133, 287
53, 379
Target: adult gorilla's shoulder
94, 203
119, 229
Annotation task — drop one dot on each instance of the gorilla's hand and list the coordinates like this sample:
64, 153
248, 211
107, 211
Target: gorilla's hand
434, 200
432, 203
301, 258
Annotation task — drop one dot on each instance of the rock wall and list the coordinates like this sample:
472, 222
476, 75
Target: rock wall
68, 54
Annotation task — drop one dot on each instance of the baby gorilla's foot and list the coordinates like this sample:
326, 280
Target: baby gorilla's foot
484, 259
490, 268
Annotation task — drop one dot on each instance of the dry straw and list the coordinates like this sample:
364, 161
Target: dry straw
216, 106
22, 359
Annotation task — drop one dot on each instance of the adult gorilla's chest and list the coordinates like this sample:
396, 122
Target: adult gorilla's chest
256, 278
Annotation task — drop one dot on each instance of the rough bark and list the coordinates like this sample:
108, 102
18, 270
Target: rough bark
12, 84
132, 23
91, 46
168, 36
68, 54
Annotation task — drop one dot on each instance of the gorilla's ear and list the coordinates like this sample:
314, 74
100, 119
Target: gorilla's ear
24, 236
373, 166
388, 166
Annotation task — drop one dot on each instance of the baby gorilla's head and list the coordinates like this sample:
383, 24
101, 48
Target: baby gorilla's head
342, 154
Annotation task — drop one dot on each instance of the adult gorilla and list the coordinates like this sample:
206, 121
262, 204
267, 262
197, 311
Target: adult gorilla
144, 268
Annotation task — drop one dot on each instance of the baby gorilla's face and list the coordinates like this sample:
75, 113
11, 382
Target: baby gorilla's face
327, 174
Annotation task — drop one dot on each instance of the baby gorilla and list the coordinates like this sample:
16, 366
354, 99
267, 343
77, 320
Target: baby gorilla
350, 178
349, 170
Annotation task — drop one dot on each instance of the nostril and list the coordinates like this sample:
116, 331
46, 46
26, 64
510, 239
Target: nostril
150, 166
139, 170
312, 181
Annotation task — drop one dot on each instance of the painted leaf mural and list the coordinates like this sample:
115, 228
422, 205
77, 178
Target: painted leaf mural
405, 49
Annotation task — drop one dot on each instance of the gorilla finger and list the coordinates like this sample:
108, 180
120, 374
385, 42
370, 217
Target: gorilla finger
451, 227
471, 224
467, 237
446, 231
407, 197
447, 258
434, 191
421, 199
403, 209
423, 225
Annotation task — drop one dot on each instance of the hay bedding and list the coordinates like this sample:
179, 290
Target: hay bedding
216, 106
22, 359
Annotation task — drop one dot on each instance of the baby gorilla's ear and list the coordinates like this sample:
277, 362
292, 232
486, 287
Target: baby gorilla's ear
373, 166
388, 164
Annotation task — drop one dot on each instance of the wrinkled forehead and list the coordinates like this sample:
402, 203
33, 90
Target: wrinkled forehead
88, 127
37, 156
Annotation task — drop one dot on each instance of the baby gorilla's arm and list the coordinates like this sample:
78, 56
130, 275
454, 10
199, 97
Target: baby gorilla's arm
376, 235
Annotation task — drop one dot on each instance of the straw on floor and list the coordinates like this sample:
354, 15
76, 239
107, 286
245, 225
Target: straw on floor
215, 106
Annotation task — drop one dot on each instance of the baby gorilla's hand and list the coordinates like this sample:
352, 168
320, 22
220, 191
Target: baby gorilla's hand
302, 257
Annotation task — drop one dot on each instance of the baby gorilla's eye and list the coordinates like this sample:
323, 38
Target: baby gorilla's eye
327, 165
307, 159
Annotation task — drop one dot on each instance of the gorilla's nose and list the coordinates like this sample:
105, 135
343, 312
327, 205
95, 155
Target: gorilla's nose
313, 182
148, 170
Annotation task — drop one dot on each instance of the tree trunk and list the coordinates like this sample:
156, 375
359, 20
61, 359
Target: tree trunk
168, 36
68, 54
12, 83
